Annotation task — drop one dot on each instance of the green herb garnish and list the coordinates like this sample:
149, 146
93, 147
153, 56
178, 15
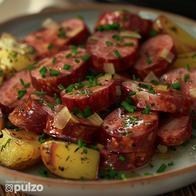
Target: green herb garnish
39, 93
130, 108
43, 71
21, 93
50, 46
117, 54
162, 168
109, 43
25, 85
66, 67
54, 72
61, 33
86, 57
108, 27
146, 110
176, 85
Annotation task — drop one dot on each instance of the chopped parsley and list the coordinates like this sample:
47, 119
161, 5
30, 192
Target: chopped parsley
81, 143
176, 86
155, 82
66, 67
187, 67
74, 50
117, 54
148, 87
186, 77
128, 44
162, 168
146, 110
132, 93
127, 106
31, 66
109, 43
170, 164
108, 27
25, 85
68, 56
42, 138
153, 33
85, 113
112, 174
39, 93
50, 46
53, 60
54, 72
57, 99
6, 143
43, 71
50, 105
85, 57
121, 158
77, 61
43, 172
117, 37
61, 33
21, 93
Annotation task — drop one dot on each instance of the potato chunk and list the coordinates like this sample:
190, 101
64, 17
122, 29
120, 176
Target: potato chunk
69, 160
184, 41
18, 149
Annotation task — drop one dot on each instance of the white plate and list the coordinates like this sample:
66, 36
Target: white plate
182, 173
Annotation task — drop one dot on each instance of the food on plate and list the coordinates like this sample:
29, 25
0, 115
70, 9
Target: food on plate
95, 93
156, 55
99, 110
126, 132
64, 125
54, 37
185, 59
16, 89
113, 49
175, 130
14, 55
124, 20
184, 41
70, 160
160, 98
19, 149
62, 69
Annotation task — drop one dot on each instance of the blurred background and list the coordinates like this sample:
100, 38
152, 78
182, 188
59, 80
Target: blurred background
12, 8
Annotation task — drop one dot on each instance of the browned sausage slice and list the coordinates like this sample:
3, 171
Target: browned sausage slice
129, 132
32, 114
175, 130
16, 89
123, 20
97, 93
118, 49
187, 80
49, 41
155, 55
64, 68
157, 97
75, 129
125, 161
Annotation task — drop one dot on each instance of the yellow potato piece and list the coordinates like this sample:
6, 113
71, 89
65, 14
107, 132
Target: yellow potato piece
69, 160
185, 59
18, 149
184, 42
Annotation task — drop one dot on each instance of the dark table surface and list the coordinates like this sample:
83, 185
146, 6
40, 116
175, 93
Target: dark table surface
181, 7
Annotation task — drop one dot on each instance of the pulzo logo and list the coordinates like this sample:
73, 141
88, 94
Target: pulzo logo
16, 186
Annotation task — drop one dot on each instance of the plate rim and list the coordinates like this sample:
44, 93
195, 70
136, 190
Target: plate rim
6, 172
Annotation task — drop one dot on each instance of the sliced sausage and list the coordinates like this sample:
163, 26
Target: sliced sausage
97, 93
175, 130
49, 41
64, 68
31, 115
158, 97
15, 90
156, 55
129, 132
186, 78
125, 161
77, 129
118, 49
125, 20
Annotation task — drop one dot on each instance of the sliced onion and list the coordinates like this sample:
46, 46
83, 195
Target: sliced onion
167, 55
62, 118
95, 119
105, 77
128, 34
162, 148
109, 68
151, 76
50, 23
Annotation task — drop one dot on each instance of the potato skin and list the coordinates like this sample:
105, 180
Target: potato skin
70, 161
18, 149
